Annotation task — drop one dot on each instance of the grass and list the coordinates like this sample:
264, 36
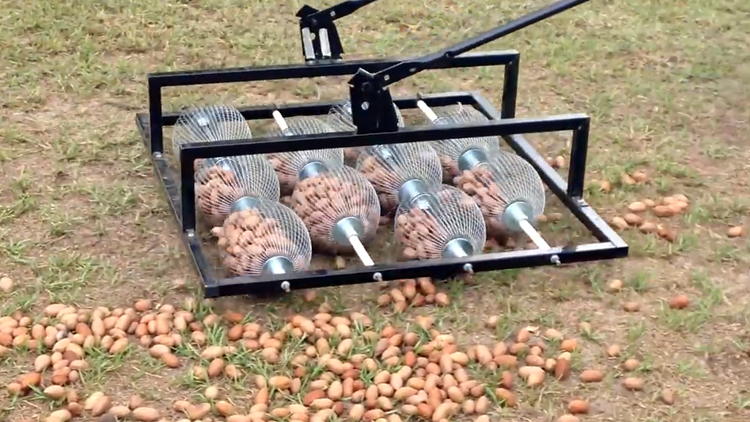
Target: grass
666, 83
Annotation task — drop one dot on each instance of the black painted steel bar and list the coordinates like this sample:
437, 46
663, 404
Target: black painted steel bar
416, 269
578, 152
565, 122
411, 67
172, 191
510, 89
322, 108
302, 71
158, 81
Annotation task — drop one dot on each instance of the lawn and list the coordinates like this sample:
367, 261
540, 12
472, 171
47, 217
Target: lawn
102, 317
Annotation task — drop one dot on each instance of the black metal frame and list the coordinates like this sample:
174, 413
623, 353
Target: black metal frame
504, 124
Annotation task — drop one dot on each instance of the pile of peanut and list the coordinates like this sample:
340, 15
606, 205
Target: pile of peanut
249, 239
351, 155
216, 190
422, 234
479, 183
450, 168
323, 200
337, 366
386, 183
288, 174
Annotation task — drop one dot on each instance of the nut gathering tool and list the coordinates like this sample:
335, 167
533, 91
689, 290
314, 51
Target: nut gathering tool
511, 204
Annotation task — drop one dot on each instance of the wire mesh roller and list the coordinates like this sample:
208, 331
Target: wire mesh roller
399, 172
340, 117
507, 189
443, 223
265, 238
231, 183
224, 183
454, 153
340, 210
510, 194
291, 167
208, 124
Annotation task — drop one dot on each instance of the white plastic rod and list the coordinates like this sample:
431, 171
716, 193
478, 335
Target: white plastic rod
427, 111
307, 44
361, 252
280, 121
533, 234
325, 44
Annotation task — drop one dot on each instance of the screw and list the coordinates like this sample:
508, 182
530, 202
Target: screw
285, 286
157, 155
469, 268
365, 105
377, 277
555, 259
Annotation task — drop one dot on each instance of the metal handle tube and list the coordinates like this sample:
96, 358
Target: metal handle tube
408, 68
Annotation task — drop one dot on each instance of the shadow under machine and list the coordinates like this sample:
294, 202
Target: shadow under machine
447, 183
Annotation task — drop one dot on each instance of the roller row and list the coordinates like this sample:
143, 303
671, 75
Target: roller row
335, 208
